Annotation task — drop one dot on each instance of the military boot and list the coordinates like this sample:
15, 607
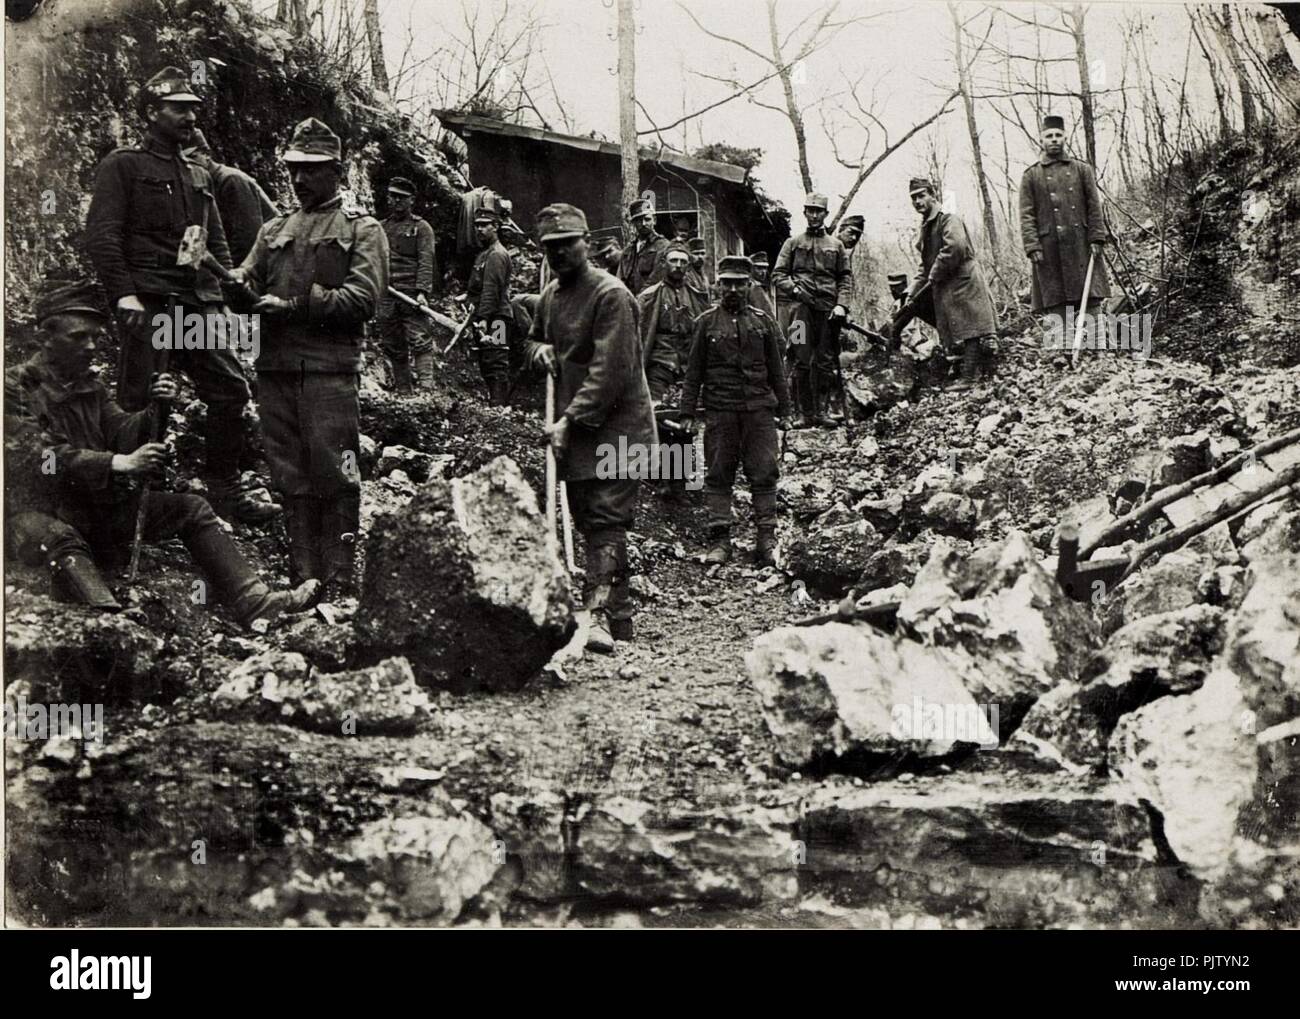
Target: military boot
988, 356
765, 546
401, 377
302, 522
231, 500
424, 371
970, 364
77, 577
339, 527
719, 546
602, 565
499, 392
259, 603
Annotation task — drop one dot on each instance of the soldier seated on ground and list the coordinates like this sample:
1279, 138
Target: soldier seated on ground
72, 450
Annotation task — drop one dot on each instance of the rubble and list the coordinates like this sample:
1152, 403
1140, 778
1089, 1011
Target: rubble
501, 605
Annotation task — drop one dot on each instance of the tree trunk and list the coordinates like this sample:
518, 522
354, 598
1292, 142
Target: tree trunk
1228, 43
631, 166
963, 85
374, 35
791, 106
1281, 68
1076, 16
1220, 93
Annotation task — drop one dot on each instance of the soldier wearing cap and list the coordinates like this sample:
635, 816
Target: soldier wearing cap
850, 231
403, 330
735, 364
489, 291
813, 281
697, 277
1062, 226
957, 301
320, 271
668, 313
586, 332
243, 205
760, 290
72, 455
608, 253
643, 261
148, 202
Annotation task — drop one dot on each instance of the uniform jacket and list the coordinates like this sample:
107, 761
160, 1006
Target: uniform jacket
735, 361
592, 322
489, 284
820, 263
244, 207
83, 428
145, 196
665, 309
1060, 215
760, 299
410, 255
336, 260
643, 263
962, 304
697, 280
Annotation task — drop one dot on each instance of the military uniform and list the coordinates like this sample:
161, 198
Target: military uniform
489, 291
643, 262
697, 277
145, 198
82, 508
1061, 216
243, 205
331, 262
668, 315
735, 367
591, 322
818, 262
404, 331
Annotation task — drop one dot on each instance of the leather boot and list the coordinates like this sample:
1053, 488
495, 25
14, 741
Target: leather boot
988, 356
719, 546
302, 522
78, 578
499, 392
231, 501
970, 363
765, 526
259, 602
602, 564
340, 531
424, 371
219, 559
401, 377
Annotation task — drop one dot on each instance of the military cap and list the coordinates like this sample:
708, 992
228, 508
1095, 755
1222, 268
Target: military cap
198, 143
561, 220
857, 222
812, 200
759, 258
735, 267
1053, 121
401, 186
677, 246
897, 279
313, 142
605, 245
640, 207
919, 184
490, 209
170, 85
696, 244
60, 296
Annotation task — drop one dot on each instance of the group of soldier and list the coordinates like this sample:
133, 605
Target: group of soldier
640, 349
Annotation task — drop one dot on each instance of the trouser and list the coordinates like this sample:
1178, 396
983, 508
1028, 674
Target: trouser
496, 346
814, 346
216, 375
403, 331
311, 431
107, 533
732, 438
603, 511
666, 364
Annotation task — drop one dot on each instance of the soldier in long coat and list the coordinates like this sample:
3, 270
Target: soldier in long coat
1061, 225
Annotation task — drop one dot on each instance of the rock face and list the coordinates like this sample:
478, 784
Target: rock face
1004, 610
464, 584
1171, 653
840, 695
281, 687
1221, 765
831, 560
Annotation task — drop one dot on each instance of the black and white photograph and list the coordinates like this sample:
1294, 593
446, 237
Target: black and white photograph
629, 465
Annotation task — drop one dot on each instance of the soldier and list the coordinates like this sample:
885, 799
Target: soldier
586, 333
321, 271
243, 205
82, 506
697, 276
1061, 225
148, 202
850, 232
957, 302
668, 313
489, 292
736, 361
813, 281
760, 290
404, 330
681, 229
608, 253
642, 262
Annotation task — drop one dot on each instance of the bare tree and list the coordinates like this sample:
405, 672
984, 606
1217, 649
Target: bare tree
1220, 93
964, 87
783, 56
1222, 24
375, 37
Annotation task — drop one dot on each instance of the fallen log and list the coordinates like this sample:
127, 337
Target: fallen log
1127, 524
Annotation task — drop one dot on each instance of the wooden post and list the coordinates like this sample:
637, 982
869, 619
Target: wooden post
631, 164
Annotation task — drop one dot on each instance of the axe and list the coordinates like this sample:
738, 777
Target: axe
437, 317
